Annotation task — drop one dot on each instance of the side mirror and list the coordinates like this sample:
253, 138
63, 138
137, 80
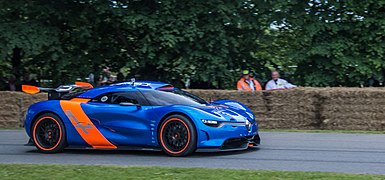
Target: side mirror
129, 104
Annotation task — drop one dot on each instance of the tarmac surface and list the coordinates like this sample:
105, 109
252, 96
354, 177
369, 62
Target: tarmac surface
327, 152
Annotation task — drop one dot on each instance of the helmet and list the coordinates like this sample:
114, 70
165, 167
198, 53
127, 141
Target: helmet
245, 72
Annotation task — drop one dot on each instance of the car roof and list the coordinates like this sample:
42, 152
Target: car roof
124, 86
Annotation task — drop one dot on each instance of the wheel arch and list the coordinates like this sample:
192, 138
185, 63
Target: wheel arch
175, 113
41, 113
63, 144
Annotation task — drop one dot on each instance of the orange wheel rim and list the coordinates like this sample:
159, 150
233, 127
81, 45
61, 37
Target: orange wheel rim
176, 136
47, 133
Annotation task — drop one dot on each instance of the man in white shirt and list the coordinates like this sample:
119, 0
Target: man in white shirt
277, 83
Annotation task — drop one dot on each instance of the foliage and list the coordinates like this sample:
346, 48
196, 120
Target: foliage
316, 42
341, 43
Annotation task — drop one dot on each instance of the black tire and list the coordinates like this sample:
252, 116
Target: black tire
48, 133
177, 136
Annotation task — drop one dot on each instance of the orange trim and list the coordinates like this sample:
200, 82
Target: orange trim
80, 100
34, 133
84, 125
30, 89
84, 84
161, 138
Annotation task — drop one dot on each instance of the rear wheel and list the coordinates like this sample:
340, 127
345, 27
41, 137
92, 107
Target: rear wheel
48, 133
177, 136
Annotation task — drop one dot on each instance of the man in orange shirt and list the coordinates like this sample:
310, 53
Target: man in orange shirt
247, 83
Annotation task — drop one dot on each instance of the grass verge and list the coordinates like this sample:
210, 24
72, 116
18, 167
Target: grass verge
24, 171
323, 131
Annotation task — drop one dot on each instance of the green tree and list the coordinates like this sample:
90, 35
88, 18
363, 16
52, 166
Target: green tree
317, 42
169, 40
340, 42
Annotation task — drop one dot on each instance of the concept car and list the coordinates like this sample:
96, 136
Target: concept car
142, 115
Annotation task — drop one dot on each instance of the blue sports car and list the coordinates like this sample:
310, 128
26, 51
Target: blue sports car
142, 115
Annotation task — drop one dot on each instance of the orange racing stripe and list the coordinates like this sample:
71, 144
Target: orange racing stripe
80, 100
83, 124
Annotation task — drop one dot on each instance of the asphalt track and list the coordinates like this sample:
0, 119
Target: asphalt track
328, 152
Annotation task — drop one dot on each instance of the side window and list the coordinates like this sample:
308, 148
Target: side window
105, 98
120, 97
123, 98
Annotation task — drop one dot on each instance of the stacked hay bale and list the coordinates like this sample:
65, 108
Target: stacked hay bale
300, 108
14, 105
291, 109
254, 100
10, 109
26, 100
353, 109
294, 108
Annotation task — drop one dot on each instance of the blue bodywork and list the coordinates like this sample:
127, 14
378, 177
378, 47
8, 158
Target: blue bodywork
126, 126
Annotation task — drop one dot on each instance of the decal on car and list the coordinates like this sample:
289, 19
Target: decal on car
79, 125
104, 99
84, 125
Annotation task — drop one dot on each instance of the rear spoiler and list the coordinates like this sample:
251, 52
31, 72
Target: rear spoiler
59, 92
30, 89
84, 84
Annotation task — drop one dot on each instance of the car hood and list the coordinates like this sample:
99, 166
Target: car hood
230, 110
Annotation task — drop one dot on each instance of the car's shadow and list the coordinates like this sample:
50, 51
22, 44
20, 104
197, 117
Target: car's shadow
149, 153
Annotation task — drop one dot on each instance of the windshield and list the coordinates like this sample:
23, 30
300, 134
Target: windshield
175, 97
72, 93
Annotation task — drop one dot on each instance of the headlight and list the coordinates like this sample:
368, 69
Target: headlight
212, 122
248, 124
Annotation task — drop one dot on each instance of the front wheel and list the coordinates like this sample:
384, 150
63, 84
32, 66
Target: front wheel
48, 133
177, 136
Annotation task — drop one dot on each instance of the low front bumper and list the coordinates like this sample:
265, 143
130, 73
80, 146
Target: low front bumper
228, 138
241, 143
235, 144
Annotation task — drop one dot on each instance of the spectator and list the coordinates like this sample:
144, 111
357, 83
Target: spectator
373, 82
253, 78
105, 77
277, 83
247, 83
119, 77
12, 84
187, 82
29, 80
91, 78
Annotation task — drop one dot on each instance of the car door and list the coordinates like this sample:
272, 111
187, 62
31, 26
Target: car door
124, 118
